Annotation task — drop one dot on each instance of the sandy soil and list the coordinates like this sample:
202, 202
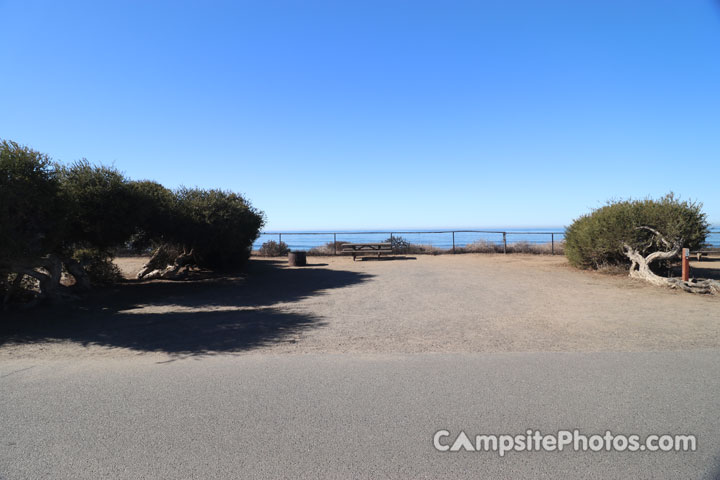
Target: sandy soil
463, 303
130, 266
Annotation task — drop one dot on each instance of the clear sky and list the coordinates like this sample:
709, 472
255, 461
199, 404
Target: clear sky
378, 114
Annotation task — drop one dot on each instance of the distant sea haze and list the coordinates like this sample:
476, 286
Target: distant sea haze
441, 239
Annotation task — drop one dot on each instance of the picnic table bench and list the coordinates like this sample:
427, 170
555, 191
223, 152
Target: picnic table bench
703, 253
359, 249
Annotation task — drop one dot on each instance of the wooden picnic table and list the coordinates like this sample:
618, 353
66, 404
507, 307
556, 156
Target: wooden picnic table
360, 249
703, 253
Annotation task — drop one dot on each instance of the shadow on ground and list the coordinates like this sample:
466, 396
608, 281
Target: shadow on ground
214, 315
707, 268
385, 259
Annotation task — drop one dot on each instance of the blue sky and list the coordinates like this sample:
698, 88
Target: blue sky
378, 114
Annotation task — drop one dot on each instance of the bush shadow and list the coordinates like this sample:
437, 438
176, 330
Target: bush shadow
199, 317
698, 270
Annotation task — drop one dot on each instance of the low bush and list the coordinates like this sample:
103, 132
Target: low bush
480, 246
271, 248
535, 248
485, 246
330, 248
399, 244
99, 266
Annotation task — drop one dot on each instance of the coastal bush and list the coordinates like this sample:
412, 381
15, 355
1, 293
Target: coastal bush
70, 219
157, 219
481, 246
639, 235
219, 227
31, 219
212, 229
536, 248
522, 247
647, 226
99, 266
30, 214
271, 248
399, 244
100, 209
486, 246
330, 248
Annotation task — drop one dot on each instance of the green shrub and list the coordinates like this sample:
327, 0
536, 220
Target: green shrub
156, 216
31, 215
99, 266
596, 240
399, 244
330, 248
271, 248
218, 226
55, 218
101, 210
481, 246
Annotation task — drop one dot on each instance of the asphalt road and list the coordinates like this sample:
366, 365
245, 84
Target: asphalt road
351, 416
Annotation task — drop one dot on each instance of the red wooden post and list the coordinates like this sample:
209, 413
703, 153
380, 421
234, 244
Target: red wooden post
685, 264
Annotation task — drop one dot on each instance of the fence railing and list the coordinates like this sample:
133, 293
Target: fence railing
455, 238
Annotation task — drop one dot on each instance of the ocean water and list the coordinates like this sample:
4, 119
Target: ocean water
441, 238
714, 237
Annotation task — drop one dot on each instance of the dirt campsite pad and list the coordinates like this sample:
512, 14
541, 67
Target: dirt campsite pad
444, 304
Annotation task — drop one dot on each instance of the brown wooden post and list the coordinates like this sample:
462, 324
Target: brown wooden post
685, 264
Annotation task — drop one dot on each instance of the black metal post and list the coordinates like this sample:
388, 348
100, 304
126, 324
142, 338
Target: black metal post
334, 243
504, 242
552, 241
453, 242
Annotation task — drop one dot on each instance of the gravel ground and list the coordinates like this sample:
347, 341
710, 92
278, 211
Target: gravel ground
440, 304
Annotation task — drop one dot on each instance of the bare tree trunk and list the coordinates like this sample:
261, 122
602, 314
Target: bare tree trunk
640, 268
82, 280
167, 263
50, 281
160, 259
45, 280
50, 284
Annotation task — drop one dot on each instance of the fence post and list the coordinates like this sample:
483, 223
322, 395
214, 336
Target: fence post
504, 242
552, 243
334, 243
279, 237
453, 242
